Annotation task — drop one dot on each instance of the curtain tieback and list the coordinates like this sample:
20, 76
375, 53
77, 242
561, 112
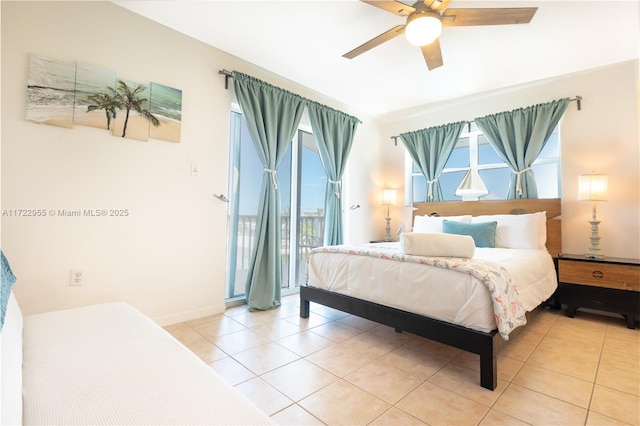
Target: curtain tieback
430, 189
518, 179
336, 186
274, 177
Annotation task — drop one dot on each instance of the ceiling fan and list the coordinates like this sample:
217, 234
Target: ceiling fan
425, 20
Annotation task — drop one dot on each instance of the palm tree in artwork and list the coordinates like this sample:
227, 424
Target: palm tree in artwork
129, 99
106, 101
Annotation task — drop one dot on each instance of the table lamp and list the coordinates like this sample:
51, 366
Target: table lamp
593, 187
388, 199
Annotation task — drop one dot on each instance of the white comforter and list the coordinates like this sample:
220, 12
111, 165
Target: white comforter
444, 294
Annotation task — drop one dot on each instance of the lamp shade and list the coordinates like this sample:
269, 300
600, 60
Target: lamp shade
592, 187
388, 197
423, 28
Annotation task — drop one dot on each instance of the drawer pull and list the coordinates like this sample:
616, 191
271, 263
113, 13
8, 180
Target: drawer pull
597, 274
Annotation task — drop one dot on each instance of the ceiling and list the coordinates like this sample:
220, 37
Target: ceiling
304, 41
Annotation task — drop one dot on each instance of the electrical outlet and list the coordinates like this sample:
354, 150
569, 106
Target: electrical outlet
77, 277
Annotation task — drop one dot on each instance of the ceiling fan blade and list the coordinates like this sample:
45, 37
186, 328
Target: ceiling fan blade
394, 7
497, 16
432, 54
393, 32
437, 4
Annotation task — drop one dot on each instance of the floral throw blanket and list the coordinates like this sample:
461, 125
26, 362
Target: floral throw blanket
508, 311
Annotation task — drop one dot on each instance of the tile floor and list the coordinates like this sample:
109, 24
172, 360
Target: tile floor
338, 369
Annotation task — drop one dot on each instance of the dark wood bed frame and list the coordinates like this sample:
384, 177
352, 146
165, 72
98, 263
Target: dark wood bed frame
486, 345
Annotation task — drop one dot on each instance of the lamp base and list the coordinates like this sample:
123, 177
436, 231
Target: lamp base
388, 237
594, 251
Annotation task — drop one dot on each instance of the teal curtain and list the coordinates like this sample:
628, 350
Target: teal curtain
333, 132
430, 149
272, 115
518, 136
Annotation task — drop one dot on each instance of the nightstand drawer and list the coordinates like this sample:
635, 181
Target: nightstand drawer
593, 273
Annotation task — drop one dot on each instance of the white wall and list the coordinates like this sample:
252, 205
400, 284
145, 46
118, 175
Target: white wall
602, 137
168, 256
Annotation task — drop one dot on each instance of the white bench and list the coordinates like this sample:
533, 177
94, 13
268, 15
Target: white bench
109, 364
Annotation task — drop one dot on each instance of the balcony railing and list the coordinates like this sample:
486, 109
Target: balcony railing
311, 231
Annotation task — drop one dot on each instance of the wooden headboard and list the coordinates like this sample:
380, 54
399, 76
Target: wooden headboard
552, 206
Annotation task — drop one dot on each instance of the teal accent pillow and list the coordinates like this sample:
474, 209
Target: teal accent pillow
483, 234
8, 280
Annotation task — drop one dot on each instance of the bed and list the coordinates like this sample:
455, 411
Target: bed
373, 280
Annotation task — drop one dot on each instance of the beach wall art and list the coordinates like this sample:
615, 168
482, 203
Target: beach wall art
51, 91
63, 94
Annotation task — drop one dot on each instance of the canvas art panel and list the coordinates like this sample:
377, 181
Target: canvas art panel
166, 105
130, 123
95, 87
50, 91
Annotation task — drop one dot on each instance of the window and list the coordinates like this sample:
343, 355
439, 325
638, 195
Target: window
302, 184
473, 151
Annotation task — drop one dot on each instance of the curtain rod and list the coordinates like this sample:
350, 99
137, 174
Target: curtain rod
577, 99
227, 76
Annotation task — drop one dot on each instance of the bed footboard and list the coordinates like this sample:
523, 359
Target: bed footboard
486, 345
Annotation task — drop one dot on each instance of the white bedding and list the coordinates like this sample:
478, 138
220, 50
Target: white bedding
110, 364
444, 294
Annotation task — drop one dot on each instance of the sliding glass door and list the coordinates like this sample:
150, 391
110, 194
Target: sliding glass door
302, 184
312, 184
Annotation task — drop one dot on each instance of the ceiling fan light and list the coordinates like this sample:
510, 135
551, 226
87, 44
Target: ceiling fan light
423, 28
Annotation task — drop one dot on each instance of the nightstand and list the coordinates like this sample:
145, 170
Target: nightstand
609, 284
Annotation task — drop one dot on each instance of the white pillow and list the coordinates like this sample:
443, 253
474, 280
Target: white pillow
11, 365
518, 231
447, 245
433, 224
